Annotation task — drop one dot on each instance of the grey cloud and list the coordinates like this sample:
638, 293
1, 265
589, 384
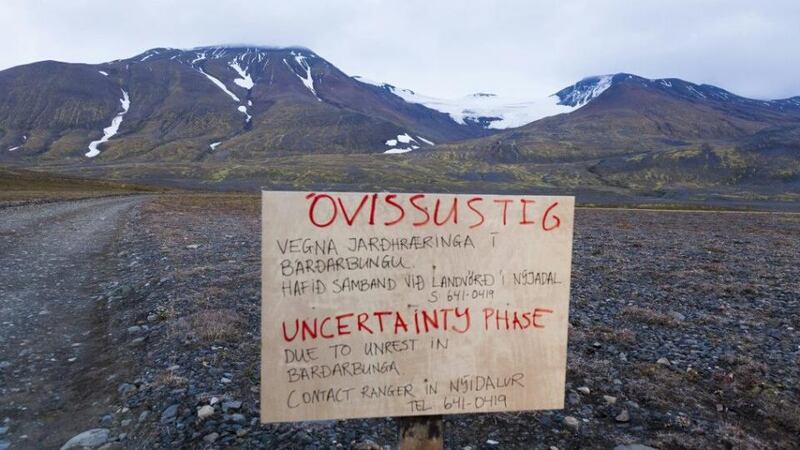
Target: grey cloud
443, 48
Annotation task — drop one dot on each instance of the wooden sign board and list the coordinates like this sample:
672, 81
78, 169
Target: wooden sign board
380, 304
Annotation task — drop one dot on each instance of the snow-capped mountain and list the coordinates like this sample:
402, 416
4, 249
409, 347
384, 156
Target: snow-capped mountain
206, 103
487, 110
586, 90
247, 103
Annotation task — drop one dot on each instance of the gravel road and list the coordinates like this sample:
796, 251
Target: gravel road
53, 340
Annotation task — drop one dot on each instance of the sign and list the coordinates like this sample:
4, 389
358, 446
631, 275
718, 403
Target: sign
382, 304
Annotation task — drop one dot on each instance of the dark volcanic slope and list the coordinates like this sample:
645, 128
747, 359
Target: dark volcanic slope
253, 101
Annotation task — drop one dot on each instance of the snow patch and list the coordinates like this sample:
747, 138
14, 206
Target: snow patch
245, 80
24, 140
404, 143
214, 145
149, 55
220, 85
397, 151
243, 109
103, 73
199, 57
580, 96
308, 80
111, 130
695, 92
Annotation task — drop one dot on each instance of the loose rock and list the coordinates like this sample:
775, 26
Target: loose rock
169, 414
90, 438
572, 423
205, 411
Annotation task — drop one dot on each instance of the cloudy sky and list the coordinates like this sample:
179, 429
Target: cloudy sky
443, 48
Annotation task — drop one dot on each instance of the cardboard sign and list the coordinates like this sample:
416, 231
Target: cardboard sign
380, 304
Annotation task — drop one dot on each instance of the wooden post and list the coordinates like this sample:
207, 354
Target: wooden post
421, 433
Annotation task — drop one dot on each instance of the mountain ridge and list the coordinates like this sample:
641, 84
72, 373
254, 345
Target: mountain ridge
237, 116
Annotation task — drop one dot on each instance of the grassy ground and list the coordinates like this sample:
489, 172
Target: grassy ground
19, 186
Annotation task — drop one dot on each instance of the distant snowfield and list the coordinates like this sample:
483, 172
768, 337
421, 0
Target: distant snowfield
404, 143
111, 130
508, 112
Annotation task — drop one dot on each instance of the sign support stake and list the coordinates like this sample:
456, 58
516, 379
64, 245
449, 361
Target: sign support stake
421, 433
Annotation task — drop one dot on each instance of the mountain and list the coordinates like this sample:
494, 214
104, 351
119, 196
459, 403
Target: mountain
625, 114
245, 117
208, 103
665, 136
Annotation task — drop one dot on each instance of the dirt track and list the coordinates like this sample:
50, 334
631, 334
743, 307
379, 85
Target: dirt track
56, 371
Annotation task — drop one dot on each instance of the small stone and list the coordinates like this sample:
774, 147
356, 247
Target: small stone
134, 329
719, 407
143, 416
573, 399
90, 438
238, 418
584, 390
553, 447
126, 423
5, 445
623, 416
126, 389
232, 404
169, 414
106, 420
5, 364
210, 438
3, 430
366, 444
241, 432
572, 423
194, 247
677, 316
492, 442
225, 380
205, 411
633, 447
610, 400
663, 361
